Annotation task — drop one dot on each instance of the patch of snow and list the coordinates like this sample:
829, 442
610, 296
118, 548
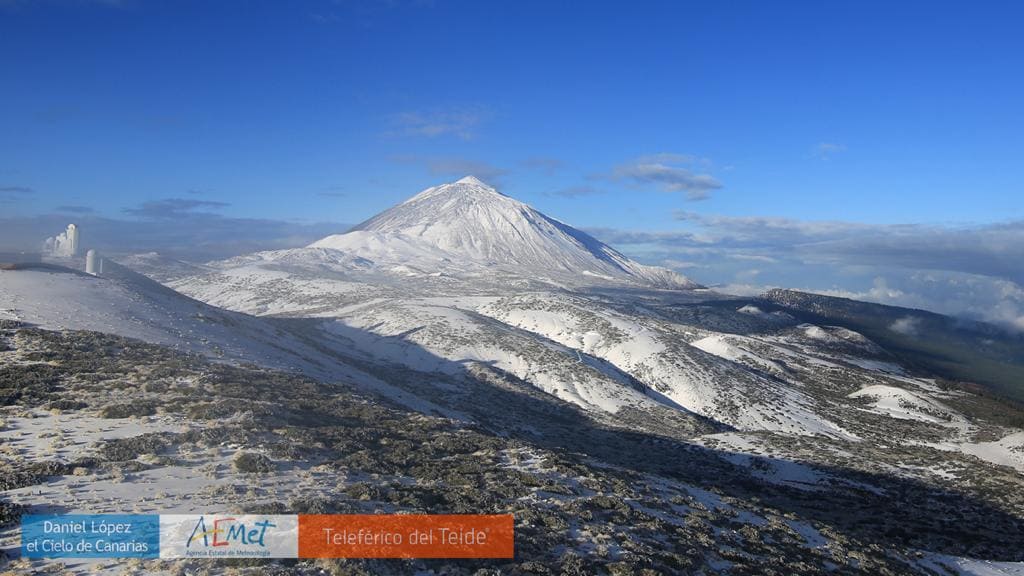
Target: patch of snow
1007, 451
957, 566
907, 405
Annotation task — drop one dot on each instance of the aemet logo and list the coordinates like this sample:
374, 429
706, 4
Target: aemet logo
228, 536
224, 531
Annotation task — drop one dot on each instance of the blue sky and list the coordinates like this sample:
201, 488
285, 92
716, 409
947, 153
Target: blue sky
679, 120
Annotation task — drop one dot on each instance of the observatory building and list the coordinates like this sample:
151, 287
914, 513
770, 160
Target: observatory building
93, 263
72, 240
66, 244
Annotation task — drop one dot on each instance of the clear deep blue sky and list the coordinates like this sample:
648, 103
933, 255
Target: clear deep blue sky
878, 112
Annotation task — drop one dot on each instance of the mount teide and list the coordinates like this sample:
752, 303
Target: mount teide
468, 226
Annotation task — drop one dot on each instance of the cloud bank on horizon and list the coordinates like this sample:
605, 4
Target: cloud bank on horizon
975, 271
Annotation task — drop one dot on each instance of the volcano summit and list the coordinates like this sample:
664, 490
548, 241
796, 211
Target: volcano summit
467, 226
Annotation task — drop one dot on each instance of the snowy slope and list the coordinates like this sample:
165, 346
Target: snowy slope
470, 223
120, 302
157, 266
693, 376
293, 281
434, 337
129, 304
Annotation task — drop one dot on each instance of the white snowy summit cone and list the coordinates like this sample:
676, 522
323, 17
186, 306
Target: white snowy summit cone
469, 222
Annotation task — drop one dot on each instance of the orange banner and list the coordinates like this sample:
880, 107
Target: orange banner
406, 536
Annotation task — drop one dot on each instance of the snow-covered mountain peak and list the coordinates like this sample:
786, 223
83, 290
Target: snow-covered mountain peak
472, 181
467, 190
472, 224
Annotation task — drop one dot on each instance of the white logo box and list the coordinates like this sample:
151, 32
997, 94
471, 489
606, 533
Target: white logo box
229, 536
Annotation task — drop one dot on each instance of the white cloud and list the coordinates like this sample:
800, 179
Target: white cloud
908, 325
744, 289
669, 172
